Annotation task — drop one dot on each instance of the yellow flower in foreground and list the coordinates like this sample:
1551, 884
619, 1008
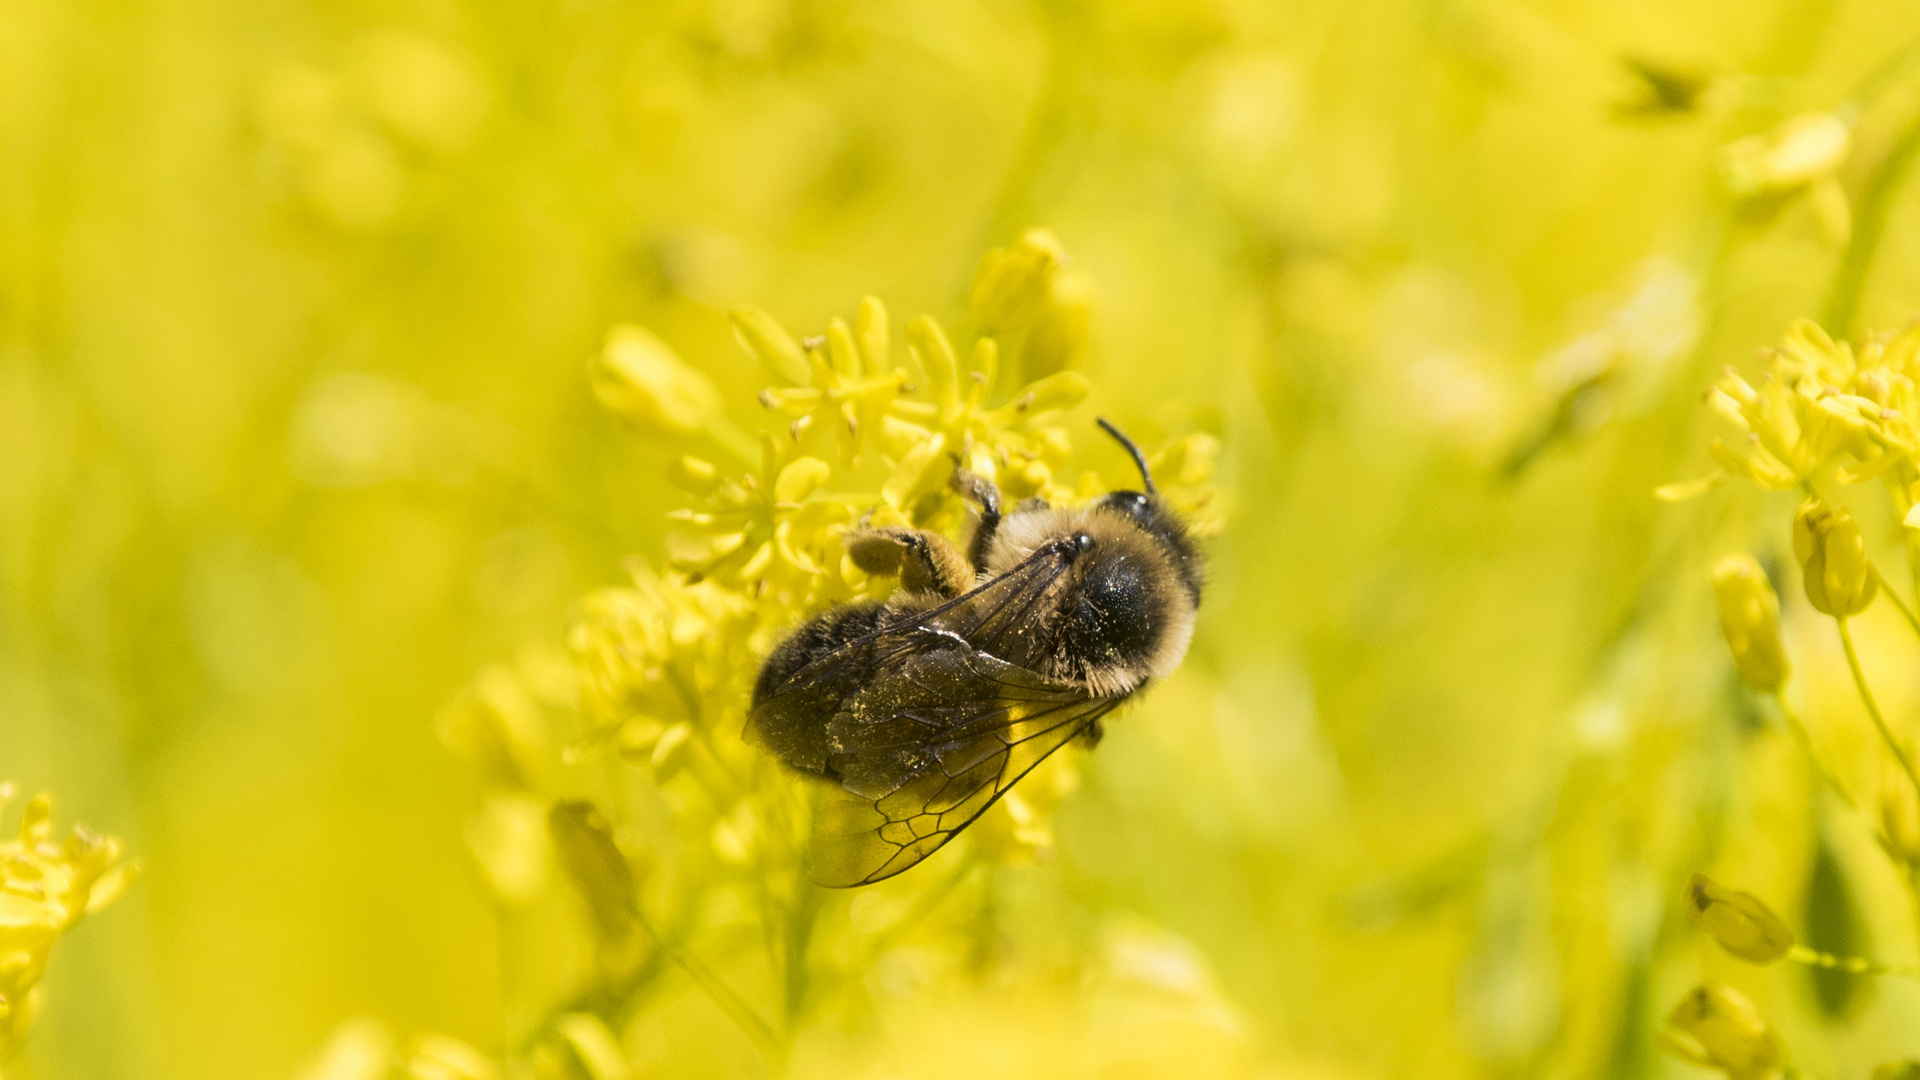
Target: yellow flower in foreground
46, 888
1750, 619
1833, 559
1741, 922
1717, 1027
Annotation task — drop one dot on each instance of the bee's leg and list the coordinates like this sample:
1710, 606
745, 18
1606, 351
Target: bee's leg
925, 561
982, 491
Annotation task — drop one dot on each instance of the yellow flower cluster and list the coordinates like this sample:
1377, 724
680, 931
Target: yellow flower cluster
46, 887
1824, 411
1822, 403
618, 766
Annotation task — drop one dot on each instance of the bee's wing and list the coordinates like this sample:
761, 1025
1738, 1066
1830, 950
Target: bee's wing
924, 725
917, 770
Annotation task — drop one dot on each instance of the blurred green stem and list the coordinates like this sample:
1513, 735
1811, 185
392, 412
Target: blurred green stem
1906, 612
1873, 710
1875, 203
1852, 965
1819, 762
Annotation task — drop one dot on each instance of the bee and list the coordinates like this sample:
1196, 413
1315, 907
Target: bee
925, 708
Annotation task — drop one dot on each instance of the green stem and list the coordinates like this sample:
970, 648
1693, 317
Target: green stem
1852, 965
717, 991
1805, 738
1875, 204
1873, 710
1898, 602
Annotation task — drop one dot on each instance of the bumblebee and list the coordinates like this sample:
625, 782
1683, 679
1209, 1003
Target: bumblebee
926, 707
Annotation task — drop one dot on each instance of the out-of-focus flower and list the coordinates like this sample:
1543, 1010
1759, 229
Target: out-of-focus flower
1741, 922
1898, 1070
1802, 153
418, 88
1833, 559
1798, 151
642, 379
359, 1049
429, 1056
594, 1047
584, 845
508, 838
1750, 619
1029, 294
1718, 1027
1900, 810
363, 1049
46, 888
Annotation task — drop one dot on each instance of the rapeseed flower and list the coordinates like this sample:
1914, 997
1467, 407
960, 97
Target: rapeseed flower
46, 887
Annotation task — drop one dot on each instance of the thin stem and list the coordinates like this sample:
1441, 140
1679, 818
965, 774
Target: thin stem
1875, 204
1819, 762
1873, 710
717, 991
1898, 602
1852, 965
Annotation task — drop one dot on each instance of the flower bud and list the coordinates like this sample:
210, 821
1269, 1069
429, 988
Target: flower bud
1750, 619
1030, 289
1833, 559
584, 846
1013, 287
639, 377
1741, 922
1717, 1027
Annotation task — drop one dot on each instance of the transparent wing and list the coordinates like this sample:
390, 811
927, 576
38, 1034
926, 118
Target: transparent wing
911, 780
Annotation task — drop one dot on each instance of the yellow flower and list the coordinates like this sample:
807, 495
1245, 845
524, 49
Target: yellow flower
1717, 1027
1898, 1070
642, 379
46, 888
1741, 922
1833, 559
1750, 619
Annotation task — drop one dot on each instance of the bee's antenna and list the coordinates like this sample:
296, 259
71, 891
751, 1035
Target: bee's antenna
1139, 458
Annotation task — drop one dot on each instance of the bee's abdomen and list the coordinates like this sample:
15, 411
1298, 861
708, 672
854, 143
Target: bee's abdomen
814, 639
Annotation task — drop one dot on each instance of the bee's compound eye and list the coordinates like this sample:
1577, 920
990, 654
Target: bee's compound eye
1082, 543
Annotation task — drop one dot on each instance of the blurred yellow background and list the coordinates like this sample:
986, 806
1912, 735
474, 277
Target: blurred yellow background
296, 302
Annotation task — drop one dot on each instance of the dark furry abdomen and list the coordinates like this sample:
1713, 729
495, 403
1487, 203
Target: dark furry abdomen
814, 639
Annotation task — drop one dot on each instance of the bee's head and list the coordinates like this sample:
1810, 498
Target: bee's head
1153, 515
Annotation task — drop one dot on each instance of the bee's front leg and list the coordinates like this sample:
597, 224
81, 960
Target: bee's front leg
981, 491
925, 561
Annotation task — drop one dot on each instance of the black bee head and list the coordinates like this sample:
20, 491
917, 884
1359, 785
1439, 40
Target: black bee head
1161, 523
